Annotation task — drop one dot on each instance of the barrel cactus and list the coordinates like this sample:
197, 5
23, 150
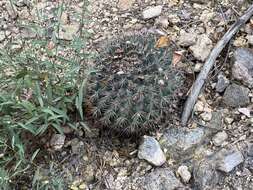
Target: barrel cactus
134, 87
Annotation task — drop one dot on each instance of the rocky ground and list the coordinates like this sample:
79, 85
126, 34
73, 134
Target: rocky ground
215, 151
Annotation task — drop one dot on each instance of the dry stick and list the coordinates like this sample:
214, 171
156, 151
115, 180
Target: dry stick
198, 84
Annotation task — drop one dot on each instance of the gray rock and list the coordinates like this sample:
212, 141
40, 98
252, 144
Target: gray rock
186, 39
57, 141
184, 173
243, 67
152, 12
161, 179
217, 120
150, 151
219, 138
229, 159
222, 83
236, 96
205, 175
250, 150
180, 143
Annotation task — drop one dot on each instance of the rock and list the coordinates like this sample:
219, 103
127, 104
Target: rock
202, 48
229, 159
125, 4
217, 120
205, 175
250, 150
161, 179
2, 36
68, 32
180, 143
206, 116
245, 111
219, 138
27, 33
162, 21
76, 145
152, 12
250, 39
197, 67
199, 106
57, 141
184, 173
150, 151
236, 96
243, 67
186, 39
222, 83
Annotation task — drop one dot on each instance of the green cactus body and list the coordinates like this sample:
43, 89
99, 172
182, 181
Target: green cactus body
134, 86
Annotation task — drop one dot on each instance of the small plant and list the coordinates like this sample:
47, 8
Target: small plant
135, 86
42, 81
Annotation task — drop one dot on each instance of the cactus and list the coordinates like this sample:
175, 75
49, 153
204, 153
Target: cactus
135, 85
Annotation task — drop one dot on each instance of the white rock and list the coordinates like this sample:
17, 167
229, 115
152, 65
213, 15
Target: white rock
184, 173
57, 141
202, 48
151, 151
219, 138
197, 67
245, 111
162, 21
199, 106
250, 39
229, 120
152, 12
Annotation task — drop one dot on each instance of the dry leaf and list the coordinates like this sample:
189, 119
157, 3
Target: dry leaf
163, 41
177, 57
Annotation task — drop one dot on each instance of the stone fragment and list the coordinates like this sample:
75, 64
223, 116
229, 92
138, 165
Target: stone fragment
184, 173
229, 159
57, 141
150, 151
162, 21
222, 83
202, 48
206, 116
243, 67
186, 39
245, 111
152, 12
236, 96
161, 179
125, 4
219, 138
205, 175
181, 143
250, 39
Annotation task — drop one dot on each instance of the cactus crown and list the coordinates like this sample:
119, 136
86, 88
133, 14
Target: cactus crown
135, 85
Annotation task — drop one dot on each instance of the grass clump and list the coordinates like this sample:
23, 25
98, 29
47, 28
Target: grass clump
42, 82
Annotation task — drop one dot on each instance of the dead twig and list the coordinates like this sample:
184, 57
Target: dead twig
200, 81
